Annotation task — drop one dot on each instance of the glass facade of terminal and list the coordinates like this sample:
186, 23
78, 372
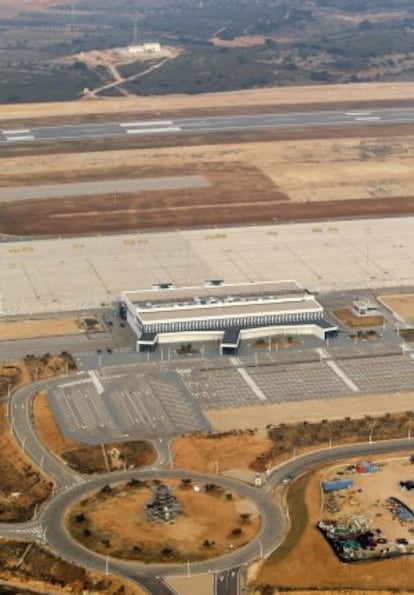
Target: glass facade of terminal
222, 323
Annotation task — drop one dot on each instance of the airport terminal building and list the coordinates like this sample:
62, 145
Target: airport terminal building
221, 311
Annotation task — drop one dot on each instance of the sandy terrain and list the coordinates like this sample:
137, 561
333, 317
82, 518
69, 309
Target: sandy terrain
359, 92
83, 457
21, 487
402, 305
250, 182
202, 584
311, 563
212, 453
260, 417
350, 319
119, 517
47, 428
30, 568
369, 493
24, 329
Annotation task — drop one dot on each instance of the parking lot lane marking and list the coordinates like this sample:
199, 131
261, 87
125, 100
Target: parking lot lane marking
248, 379
341, 374
98, 385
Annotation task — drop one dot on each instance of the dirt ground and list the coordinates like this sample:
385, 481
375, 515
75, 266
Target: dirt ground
309, 563
402, 305
29, 566
113, 522
86, 458
237, 451
368, 496
22, 488
15, 374
216, 452
351, 320
246, 418
279, 95
24, 329
251, 182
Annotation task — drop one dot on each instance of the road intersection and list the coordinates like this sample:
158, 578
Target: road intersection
49, 527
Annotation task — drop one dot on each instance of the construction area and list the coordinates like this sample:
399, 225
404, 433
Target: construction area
372, 519
367, 509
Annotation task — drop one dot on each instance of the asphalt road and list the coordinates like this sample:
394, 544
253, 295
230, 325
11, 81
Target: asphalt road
49, 526
207, 124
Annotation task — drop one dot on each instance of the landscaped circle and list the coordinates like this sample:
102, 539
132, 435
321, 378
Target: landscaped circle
171, 521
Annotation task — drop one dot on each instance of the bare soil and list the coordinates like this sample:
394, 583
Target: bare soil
210, 453
351, 320
368, 495
307, 561
113, 522
22, 488
259, 450
25, 566
258, 181
326, 94
246, 418
402, 305
15, 374
83, 457
24, 329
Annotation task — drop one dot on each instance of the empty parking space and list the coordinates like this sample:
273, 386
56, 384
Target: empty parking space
218, 389
299, 382
133, 407
381, 374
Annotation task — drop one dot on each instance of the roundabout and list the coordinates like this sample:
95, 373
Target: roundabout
70, 488
173, 521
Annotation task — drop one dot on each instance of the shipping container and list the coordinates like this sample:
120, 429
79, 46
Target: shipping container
338, 484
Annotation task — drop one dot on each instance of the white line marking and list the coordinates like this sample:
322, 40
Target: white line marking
343, 376
358, 113
248, 379
367, 118
17, 131
152, 130
147, 123
98, 385
16, 138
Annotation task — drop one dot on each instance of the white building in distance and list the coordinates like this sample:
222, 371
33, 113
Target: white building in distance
220, 311
144, 48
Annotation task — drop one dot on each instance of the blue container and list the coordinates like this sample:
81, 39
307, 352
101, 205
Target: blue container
338, 484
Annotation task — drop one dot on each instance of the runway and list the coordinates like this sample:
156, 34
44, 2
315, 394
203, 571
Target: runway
207, 125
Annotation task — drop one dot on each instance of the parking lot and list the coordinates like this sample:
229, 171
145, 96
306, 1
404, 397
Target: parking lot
136, 406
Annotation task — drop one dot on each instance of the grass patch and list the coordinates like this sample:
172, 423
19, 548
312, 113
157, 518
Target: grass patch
298, 514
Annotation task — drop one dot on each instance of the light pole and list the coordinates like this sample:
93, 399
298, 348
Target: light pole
372, 431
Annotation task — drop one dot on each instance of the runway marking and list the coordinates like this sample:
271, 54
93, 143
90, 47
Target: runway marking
17, 131
367, 118
248, 379
153, 130
147, 123
359, 113
341, 374
17, 138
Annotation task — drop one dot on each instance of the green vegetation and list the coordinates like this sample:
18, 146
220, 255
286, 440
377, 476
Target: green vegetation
297, 42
